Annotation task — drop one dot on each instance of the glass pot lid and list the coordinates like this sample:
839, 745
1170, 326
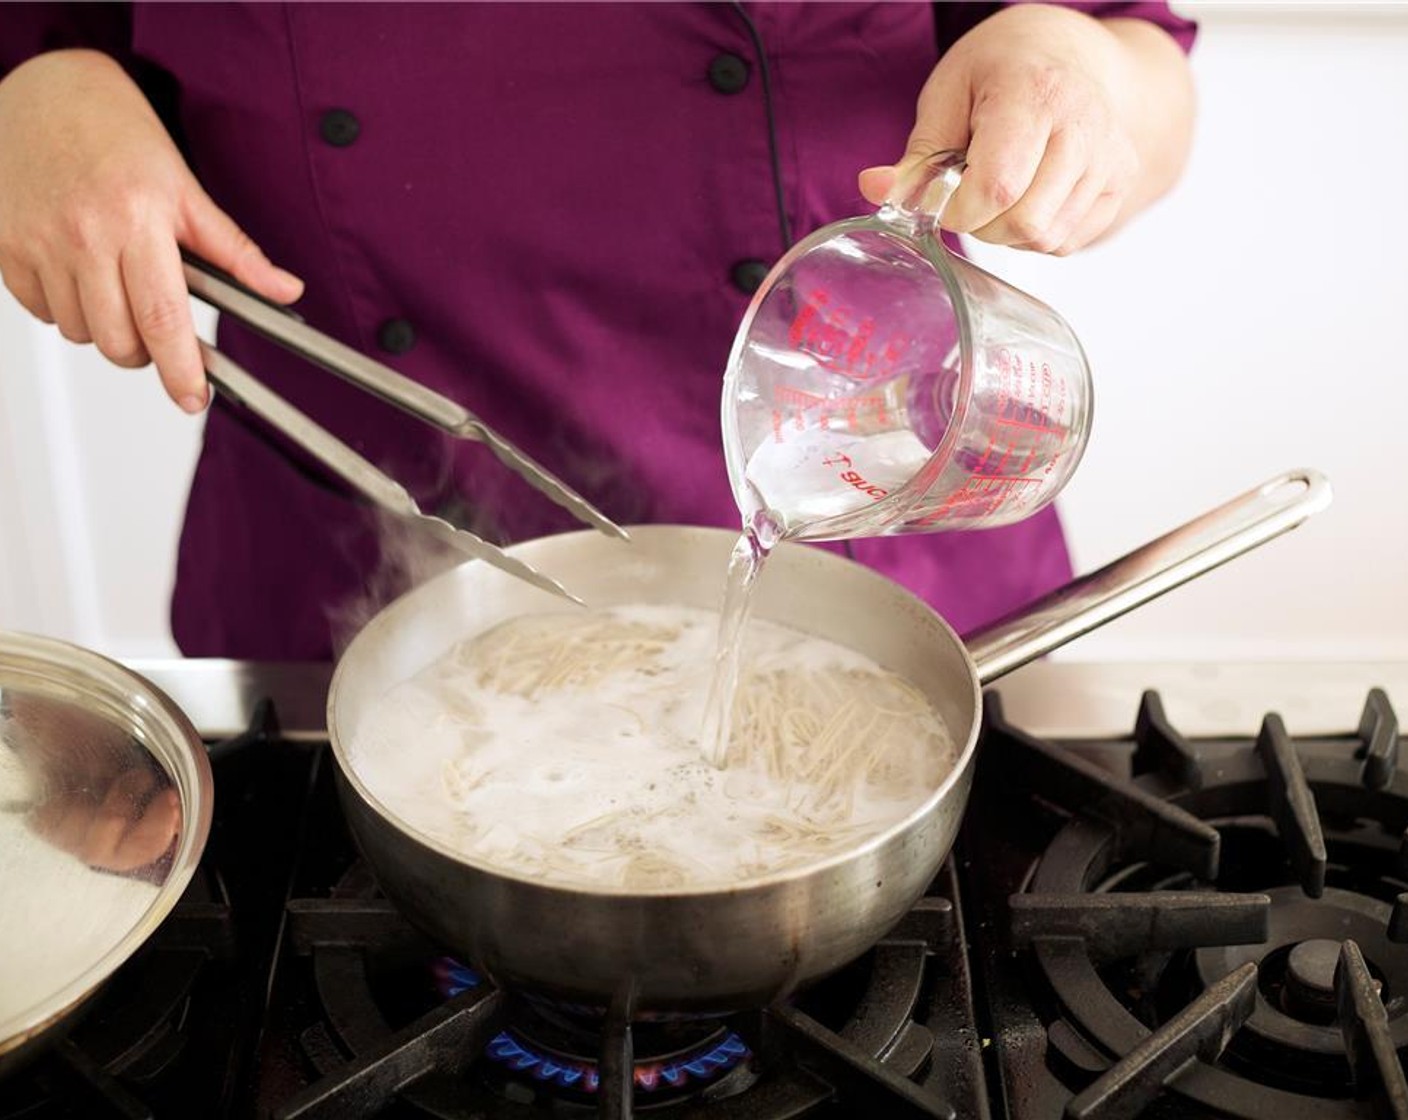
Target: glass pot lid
105, 798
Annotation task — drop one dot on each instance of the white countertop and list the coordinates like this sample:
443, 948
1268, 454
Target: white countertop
1074, 698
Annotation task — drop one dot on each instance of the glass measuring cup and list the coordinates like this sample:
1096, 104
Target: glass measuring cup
880, 384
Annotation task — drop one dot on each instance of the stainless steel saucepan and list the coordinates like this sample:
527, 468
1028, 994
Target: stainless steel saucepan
719, 950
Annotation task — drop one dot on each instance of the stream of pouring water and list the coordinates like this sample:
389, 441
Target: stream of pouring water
745, 565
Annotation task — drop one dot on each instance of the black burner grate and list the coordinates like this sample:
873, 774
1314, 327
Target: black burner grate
382, 1041
137, 1029
174, 1033
1229, 953
169, 1034
1161, 927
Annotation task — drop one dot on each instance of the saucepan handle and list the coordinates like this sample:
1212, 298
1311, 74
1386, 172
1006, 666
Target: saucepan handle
1275, 507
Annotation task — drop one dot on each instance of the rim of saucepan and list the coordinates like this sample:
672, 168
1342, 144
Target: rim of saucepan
930, 246
154, 720
388, 617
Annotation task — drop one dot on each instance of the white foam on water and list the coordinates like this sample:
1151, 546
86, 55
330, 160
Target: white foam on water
592, 776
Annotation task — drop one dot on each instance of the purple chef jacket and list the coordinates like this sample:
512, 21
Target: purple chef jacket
550, 213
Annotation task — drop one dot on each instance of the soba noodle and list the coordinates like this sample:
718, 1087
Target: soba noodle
565, 747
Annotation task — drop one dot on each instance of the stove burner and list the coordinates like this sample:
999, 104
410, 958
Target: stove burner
702, 1062
1296, 1006
1224, 922
385, 1040
1309, 994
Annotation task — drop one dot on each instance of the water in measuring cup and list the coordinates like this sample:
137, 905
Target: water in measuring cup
819, 457
819, 475
809, 458
840, 389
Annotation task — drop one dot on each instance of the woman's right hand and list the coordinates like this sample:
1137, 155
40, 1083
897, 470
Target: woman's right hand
95, 205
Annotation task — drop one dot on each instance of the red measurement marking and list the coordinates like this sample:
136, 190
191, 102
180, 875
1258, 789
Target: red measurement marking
994, 480
791, 395
840, 343
1045, 429
986, 456
863, 484
1046, 378
989, 492
798, 402
855, 407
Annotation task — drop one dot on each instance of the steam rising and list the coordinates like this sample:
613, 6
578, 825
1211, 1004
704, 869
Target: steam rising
406, 559
472, 490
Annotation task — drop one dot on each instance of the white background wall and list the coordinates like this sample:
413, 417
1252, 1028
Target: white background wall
1245, 326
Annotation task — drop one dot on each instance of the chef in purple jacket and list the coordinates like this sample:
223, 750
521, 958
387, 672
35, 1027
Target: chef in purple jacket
555, 214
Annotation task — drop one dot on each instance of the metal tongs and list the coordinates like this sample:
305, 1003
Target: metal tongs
289, 331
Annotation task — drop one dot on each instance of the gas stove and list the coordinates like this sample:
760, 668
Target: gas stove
1180, 891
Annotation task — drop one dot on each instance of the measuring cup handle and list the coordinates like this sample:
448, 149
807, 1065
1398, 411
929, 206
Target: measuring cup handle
922, 192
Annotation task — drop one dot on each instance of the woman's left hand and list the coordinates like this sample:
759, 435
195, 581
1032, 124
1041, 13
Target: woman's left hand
1070, 124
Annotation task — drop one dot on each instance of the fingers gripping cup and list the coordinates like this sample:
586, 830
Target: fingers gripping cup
881, 384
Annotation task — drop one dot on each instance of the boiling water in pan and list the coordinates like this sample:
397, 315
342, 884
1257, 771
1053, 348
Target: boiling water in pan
565, 748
